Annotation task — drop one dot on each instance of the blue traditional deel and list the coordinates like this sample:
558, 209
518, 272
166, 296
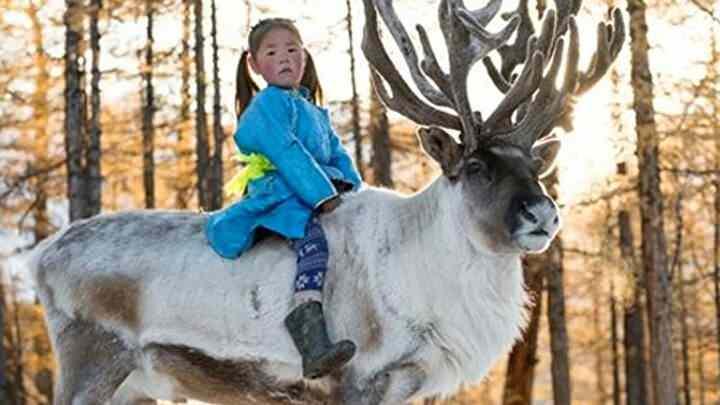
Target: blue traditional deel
299, 140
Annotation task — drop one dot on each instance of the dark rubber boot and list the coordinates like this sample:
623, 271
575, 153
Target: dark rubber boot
306, 325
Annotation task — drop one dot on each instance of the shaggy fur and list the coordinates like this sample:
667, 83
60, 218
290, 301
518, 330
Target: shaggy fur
430, 305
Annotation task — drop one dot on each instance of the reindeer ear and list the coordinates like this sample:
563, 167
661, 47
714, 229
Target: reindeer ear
441, 147
544, 153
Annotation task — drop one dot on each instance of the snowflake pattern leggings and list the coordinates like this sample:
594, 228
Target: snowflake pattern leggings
312, 258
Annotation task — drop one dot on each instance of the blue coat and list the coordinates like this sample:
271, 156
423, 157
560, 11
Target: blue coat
298, 138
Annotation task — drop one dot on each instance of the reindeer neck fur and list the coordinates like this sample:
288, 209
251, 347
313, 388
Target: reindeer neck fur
449, 300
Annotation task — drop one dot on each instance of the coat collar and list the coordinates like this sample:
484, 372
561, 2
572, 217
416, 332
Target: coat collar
301, 91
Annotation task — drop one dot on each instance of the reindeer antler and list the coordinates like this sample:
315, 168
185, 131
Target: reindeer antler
550, 107
532, 105
403, 99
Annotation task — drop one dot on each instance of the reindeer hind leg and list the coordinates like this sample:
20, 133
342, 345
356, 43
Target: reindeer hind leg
93, 363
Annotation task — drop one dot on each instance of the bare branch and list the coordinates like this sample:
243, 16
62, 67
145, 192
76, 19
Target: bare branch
28, 175
706, 10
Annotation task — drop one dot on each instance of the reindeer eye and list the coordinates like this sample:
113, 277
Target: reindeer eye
477, 167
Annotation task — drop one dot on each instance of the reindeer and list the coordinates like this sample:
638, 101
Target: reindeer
429, 286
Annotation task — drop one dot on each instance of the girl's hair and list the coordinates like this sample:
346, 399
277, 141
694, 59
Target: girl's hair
246, 86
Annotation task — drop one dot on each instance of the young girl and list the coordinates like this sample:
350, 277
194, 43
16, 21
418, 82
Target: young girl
305, 167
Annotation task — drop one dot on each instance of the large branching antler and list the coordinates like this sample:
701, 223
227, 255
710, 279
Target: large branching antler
467, 42
550, 107
532, 105
403, 99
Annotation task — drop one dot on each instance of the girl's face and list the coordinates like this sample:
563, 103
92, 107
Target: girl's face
280, 59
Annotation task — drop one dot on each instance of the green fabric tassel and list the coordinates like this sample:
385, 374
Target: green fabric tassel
256, 165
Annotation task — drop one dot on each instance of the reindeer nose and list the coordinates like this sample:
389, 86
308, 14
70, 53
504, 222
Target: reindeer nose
538, 211
526, 212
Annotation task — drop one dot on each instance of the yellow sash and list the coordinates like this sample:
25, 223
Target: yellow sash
256, 165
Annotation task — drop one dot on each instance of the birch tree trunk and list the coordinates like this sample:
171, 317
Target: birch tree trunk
654, 252
216, 178
520, 374
354, 102
148, 121
75, 107
93, 155
201, 133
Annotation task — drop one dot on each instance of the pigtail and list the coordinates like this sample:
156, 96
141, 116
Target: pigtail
245, 85
310, 80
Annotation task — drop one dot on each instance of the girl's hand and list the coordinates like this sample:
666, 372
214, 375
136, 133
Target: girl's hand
330, 205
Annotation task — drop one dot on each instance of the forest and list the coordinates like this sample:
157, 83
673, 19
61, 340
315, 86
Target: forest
112, 105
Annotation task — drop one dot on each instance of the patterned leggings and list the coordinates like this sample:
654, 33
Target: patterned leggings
312, 258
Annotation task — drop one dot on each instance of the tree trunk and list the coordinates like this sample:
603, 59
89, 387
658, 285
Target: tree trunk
201, 133
615, 345
5, 389
635, 392
560, 363
183, 183
41, 118
354, 103
43, 376
633, 319
93, 156
699, 332
148, 121
522, 360
715, 60
380, 136
655, 264
75, 107
598, 347
685, 350
677, 269
216, 178
21, 394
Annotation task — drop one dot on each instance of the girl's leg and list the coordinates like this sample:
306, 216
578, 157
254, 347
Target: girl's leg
306, 323
312, 260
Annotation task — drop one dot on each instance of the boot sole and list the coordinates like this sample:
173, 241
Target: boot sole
331, 362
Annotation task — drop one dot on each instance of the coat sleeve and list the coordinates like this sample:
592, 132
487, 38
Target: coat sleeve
267, 127
341, 160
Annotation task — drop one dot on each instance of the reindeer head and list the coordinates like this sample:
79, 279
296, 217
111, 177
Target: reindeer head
499, 161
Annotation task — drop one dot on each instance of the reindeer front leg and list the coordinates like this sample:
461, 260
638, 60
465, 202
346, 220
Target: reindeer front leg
393, 385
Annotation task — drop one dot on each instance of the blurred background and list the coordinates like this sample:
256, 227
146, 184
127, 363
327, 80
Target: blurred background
111, 105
